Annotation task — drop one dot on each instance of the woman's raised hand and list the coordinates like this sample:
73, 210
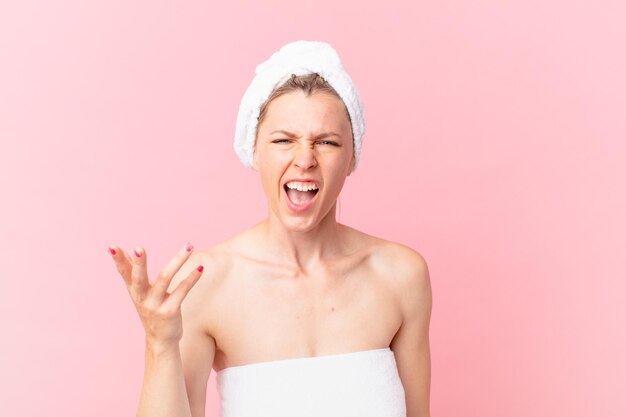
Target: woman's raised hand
159, 310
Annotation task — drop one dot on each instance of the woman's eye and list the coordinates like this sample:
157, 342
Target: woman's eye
322, 142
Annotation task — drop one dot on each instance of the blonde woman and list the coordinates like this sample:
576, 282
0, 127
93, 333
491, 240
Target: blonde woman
299, 315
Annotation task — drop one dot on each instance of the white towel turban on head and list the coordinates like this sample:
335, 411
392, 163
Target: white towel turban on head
299, 58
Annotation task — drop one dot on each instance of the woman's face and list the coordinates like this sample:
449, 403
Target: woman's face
291, 145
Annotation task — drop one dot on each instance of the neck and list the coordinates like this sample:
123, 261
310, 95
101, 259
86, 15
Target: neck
303, 249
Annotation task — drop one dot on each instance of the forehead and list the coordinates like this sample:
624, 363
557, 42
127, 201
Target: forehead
295, 111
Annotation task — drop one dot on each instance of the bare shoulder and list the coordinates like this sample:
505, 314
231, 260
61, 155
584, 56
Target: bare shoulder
407, 273
394, 259
196, 306
409, 277
406, 264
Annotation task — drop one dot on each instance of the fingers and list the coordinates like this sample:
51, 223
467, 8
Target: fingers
132, 269
139, 276
165, 276
180, 292
122, 263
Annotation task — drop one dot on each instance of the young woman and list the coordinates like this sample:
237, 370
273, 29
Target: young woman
298, 315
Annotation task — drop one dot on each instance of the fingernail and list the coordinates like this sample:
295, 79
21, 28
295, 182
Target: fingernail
112, 250
188, 247
200, 268
138, 251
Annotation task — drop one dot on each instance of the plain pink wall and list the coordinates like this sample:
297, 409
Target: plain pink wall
495, 146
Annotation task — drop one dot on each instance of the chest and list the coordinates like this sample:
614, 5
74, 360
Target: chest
266, 312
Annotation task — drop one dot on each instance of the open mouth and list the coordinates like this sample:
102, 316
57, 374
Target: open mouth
300, 198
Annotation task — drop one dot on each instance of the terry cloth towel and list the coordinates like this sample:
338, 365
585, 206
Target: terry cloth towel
299, 58
356, 384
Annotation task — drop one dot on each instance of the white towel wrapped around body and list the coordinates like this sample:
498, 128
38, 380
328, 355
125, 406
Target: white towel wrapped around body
356, 384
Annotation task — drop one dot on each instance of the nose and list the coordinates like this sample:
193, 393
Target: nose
305, 157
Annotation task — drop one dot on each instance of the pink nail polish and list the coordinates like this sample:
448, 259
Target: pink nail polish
188, 247
200, 268
112, 250
137, 252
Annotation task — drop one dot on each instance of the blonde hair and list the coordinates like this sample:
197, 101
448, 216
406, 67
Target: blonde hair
308, 83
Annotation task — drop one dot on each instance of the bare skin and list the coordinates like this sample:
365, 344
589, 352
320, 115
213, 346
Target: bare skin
296, 284
303, 284
269, 310
250, 308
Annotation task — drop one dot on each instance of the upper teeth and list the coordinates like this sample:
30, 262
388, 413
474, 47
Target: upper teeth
302, 186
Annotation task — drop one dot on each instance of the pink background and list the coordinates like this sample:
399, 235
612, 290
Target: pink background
495, 146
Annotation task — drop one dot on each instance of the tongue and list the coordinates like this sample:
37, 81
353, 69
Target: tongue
300, 197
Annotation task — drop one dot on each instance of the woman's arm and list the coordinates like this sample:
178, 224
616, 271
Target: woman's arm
176, 376
163, 392
411, 345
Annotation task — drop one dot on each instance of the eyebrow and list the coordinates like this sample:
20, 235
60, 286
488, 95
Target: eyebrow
320, 136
